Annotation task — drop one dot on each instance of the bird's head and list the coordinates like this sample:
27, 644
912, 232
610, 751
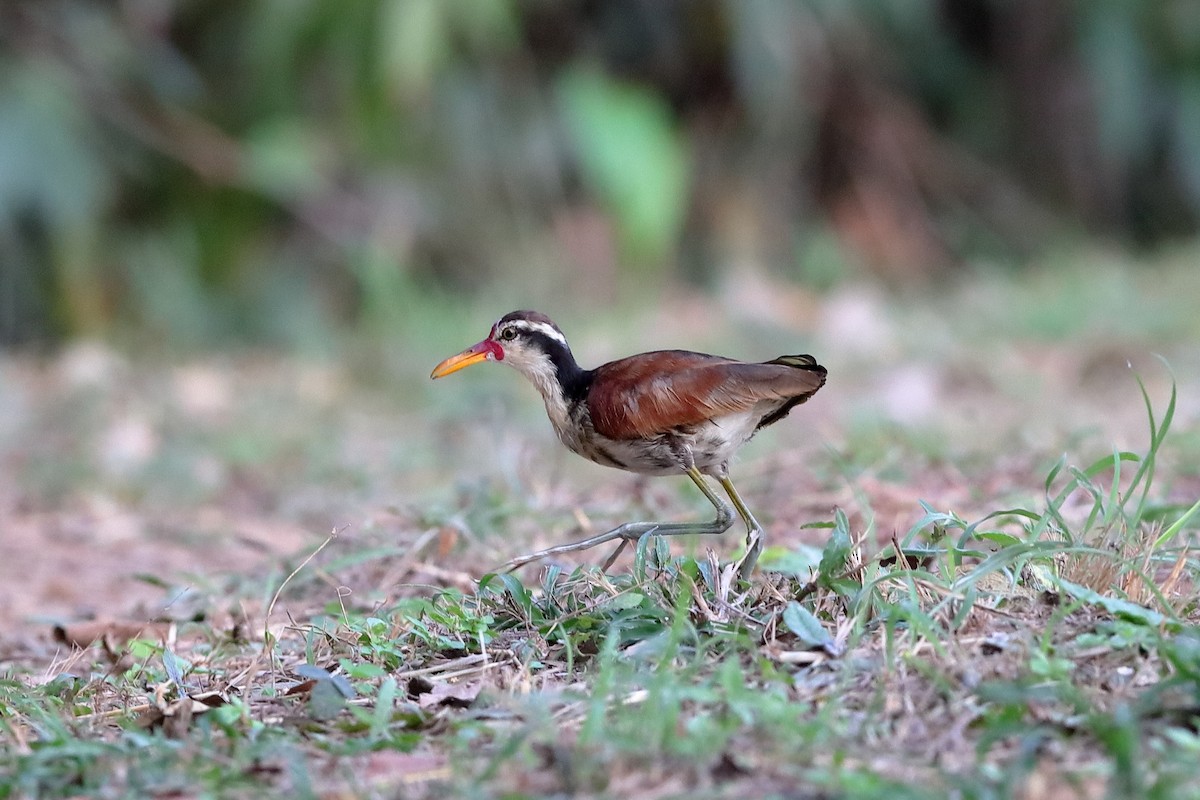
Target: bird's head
525, 340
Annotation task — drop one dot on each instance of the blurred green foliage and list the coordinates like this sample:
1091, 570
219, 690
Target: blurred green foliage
210, 170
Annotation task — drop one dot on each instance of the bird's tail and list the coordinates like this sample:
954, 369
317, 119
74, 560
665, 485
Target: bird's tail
805, 387
804, 362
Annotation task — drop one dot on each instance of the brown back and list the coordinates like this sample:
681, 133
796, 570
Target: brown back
650, 394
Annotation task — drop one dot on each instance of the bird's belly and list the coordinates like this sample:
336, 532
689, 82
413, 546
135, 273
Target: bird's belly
711, 445
714, 442
643, 456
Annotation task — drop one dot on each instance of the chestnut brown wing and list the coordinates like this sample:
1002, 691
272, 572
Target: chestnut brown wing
650, 394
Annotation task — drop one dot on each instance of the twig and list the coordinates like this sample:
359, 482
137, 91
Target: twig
275, 598
458, 663
268, 645
409, 559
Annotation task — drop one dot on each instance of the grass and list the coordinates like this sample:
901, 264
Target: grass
994, 624
1042, 651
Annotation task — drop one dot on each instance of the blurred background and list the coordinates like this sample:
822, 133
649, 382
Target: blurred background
196, 172
235, 237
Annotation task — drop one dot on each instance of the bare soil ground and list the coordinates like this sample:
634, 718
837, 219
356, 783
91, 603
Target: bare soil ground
136, 493
110, 470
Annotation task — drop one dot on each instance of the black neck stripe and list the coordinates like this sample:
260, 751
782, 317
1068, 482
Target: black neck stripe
573, 380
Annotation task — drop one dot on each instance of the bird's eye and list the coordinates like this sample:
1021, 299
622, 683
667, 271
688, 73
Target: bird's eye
508, 334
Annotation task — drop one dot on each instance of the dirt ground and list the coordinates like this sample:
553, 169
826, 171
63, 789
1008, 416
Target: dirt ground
135, 490
124, 482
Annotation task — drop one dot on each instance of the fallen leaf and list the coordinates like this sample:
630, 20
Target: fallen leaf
301, 688
85, 634
454, 695
175, 715
447, 540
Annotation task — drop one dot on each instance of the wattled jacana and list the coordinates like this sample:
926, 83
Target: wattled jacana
661, 413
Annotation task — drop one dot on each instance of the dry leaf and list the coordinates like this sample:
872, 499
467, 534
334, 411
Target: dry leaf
454, 695
301, 688
113, 633
447, 540
176, 715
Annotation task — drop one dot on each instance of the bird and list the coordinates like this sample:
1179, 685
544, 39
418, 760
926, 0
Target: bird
665, 412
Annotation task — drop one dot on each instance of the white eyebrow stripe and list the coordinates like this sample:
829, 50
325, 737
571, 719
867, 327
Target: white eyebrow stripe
548, 331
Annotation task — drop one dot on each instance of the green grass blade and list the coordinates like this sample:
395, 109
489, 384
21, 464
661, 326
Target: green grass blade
1179, 524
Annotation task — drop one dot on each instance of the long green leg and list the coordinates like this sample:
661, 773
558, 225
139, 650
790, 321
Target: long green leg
754, 531
632, 531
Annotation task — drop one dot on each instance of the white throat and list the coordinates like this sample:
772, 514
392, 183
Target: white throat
540, 371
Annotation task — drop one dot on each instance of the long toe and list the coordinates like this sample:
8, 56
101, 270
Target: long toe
746, 564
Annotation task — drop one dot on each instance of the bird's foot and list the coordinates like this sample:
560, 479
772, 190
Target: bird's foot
630, 532
514, 564
746, 564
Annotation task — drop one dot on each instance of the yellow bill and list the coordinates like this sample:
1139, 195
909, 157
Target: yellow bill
483, 351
